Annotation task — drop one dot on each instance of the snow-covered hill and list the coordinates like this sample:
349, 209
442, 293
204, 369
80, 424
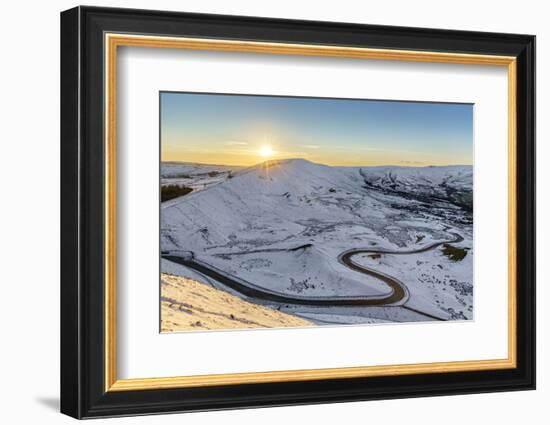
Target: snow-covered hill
190, 169
448, 184
282, 224
196, 176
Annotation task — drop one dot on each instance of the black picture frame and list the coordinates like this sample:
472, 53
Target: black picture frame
83, 392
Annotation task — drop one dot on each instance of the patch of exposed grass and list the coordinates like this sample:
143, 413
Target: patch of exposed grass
454, 253
172, 191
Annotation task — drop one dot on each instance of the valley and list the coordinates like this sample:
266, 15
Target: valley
306, 231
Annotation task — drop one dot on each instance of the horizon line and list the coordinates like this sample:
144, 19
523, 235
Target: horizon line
313, 162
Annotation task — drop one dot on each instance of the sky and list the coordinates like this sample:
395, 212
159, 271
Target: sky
246, 130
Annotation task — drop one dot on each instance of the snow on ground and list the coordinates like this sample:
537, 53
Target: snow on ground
176, 269
306, 271
282, 225
196, 176
190, 305
437, 285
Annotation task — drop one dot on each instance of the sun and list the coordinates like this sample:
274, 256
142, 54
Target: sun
266, 151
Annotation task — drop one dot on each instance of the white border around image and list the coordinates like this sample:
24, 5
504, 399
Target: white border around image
144, 352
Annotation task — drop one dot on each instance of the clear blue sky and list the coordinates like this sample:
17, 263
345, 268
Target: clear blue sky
234, 129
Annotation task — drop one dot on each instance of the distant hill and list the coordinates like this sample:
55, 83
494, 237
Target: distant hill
278, 199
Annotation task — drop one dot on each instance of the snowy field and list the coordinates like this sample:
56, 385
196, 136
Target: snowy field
197, 177
283, 225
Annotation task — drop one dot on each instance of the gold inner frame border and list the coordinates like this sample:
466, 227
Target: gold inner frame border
113, 40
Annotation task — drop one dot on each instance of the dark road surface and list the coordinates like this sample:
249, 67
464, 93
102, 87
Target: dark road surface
399, 290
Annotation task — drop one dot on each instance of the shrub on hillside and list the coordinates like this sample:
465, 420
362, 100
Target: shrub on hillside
172, 191
454, 254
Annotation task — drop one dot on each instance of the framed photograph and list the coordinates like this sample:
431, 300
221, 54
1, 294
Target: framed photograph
261, 212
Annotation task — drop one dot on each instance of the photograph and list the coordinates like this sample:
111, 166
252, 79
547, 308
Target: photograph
287, 210
292, 212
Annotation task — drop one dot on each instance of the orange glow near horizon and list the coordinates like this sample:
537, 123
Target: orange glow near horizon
250, 129
242, 153
251, 156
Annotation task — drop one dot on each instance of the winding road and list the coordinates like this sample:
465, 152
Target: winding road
399, 289
398, 294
